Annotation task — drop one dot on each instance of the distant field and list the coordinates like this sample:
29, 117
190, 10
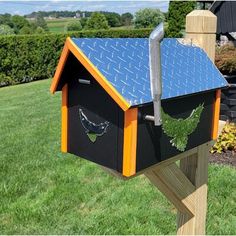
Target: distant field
58, 25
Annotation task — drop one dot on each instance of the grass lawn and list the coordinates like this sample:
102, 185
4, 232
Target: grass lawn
45, 192
58, 25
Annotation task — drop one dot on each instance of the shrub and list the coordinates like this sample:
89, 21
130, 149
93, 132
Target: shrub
74, 26
226, 140
6, 30
26, 30
25, 58
148, 17
97, 21
225, 59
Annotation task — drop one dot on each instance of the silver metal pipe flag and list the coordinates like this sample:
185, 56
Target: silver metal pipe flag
155, 70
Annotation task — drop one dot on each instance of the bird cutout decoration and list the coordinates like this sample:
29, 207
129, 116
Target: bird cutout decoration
180, 129
92, 130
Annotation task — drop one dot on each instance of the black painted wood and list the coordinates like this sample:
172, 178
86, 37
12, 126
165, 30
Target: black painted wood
228, 100
99, 107
154, 146
226, 17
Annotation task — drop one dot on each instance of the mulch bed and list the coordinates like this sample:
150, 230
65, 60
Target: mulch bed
225, 158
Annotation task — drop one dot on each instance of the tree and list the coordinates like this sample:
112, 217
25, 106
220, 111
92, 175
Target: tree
5, 19
19, 22
97, 21
6, 30
83, 21
148, 17
74, 26
26, 30
114, 19
40, 22
39, 30
176, 17
126, 19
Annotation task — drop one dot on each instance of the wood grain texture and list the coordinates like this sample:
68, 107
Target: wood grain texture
195, 167
205, 41
201, 21
171, 181
201, 29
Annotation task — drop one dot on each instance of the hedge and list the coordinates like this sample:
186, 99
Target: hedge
34, 57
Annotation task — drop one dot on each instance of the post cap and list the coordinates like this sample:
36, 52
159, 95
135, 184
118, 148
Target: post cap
201, 21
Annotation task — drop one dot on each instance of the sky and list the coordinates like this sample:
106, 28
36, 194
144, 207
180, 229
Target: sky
25, 7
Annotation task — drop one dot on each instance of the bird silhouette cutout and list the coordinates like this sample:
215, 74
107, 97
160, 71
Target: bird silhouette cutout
92, 130
180, 129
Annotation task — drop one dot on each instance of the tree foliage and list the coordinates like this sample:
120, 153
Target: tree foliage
19, 22
126, 19
176, 17
6, 30
97, 21
26, 30
39, 30
113, 19
5, 19
74, 26
148, 17
83, 21
40, 22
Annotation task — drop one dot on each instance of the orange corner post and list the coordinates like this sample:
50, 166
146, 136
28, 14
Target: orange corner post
130, 142
216, 115
64, 119
60, 67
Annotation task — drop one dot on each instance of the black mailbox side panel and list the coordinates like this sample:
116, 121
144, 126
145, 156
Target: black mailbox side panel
153, 146
91, 109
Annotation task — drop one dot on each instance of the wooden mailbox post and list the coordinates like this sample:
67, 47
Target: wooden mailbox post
186, 186
107, 97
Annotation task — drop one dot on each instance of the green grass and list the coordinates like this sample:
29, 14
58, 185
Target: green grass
45, 192
58, 25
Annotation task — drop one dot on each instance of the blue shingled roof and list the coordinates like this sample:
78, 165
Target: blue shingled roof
125, 64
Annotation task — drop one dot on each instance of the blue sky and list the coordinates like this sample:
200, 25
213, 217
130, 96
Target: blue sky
25, 7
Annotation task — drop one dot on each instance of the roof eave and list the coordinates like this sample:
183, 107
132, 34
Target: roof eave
70, 47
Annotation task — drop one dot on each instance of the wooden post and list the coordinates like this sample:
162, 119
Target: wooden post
201, 29
186, 186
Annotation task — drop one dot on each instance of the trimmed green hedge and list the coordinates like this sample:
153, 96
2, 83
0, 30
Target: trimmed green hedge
34, 57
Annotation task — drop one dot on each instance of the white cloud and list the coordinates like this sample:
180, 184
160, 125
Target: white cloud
26, 7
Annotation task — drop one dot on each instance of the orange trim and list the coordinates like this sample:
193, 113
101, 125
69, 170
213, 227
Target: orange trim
64, 118
97, 75
59, 70
216, 115
130, 142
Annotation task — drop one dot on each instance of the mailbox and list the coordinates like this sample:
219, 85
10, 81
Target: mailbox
107, 99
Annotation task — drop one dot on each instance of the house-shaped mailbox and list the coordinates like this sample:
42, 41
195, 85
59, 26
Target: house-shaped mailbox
106, 95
